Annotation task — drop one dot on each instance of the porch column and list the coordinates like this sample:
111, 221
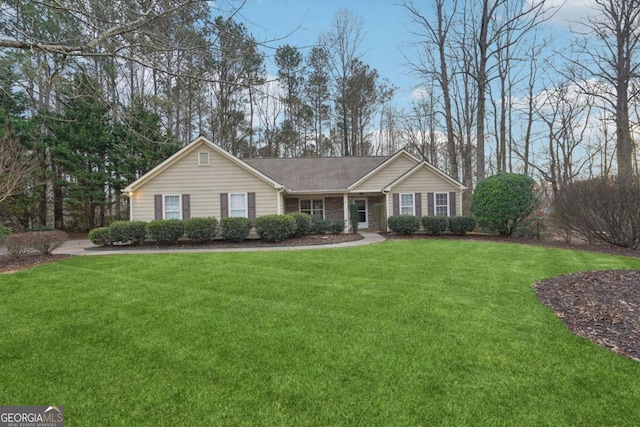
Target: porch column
345, 209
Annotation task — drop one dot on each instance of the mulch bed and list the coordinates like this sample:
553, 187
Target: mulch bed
602, 306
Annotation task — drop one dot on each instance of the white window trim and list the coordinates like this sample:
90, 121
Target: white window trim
246, 203
208, 163
435, 204
413, 203
324, 210
164, 205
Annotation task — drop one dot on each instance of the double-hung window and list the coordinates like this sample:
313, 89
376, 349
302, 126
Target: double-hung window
407, 206
238, 205
313, 207
442, 204
172, 207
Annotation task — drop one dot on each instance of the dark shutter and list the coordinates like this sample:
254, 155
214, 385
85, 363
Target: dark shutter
224, 205
396, 204
430, 204
251, 202
158, 206
186, 206
452, 203
417, 200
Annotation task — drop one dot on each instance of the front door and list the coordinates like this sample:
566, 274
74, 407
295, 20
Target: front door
363, 219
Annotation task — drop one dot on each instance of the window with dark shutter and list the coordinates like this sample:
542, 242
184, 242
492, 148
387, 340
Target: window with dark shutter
396, 203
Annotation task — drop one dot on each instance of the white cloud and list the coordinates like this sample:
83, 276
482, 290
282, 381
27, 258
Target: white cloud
570, 11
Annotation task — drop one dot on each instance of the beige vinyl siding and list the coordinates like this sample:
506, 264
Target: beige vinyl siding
204, 184
385, 176
424, 181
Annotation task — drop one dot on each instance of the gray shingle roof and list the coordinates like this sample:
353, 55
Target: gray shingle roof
316, 173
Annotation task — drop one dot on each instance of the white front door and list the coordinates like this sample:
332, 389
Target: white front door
363, 218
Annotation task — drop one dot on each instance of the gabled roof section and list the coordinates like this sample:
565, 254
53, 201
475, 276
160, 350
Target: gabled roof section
388, 160
187, 149
316, 173
431, 168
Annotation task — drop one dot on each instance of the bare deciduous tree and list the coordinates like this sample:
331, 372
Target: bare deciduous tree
609, 52
17, 168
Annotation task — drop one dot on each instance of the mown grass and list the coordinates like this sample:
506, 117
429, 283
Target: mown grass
401, 333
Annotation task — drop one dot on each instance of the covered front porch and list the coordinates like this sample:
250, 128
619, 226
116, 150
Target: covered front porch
336, 206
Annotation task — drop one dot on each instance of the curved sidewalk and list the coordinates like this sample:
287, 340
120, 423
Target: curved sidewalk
79, 247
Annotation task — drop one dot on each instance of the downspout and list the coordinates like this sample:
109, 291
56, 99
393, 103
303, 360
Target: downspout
279, 192
129, 194
345, 211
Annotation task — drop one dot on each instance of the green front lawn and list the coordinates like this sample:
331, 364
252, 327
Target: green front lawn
401, 333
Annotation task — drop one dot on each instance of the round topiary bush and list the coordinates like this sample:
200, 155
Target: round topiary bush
165, 231
201, 230
133, 232
435, 225
235, 229
303, 224
403, 224
100, 236
461, 225
502, 201
275, 228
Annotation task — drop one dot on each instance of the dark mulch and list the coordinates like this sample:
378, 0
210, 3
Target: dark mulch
602, 306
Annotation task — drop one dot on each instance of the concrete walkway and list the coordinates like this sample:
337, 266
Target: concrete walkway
79, 247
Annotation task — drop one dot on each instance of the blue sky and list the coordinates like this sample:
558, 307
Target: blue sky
385, 35
385, 25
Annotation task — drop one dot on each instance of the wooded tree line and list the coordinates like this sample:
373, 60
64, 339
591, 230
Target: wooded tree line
94, 94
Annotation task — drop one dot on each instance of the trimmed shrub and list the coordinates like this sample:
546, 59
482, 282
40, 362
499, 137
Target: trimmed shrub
403, 224
44, 242
47, 241
380, 213
601, 210
165, 231
303, 224
128, 232
503, 201
353, 217
275, 228
435, 225
336, 226
20, 244
100, 236
461, 225
200, 229
235, 229
319, 225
